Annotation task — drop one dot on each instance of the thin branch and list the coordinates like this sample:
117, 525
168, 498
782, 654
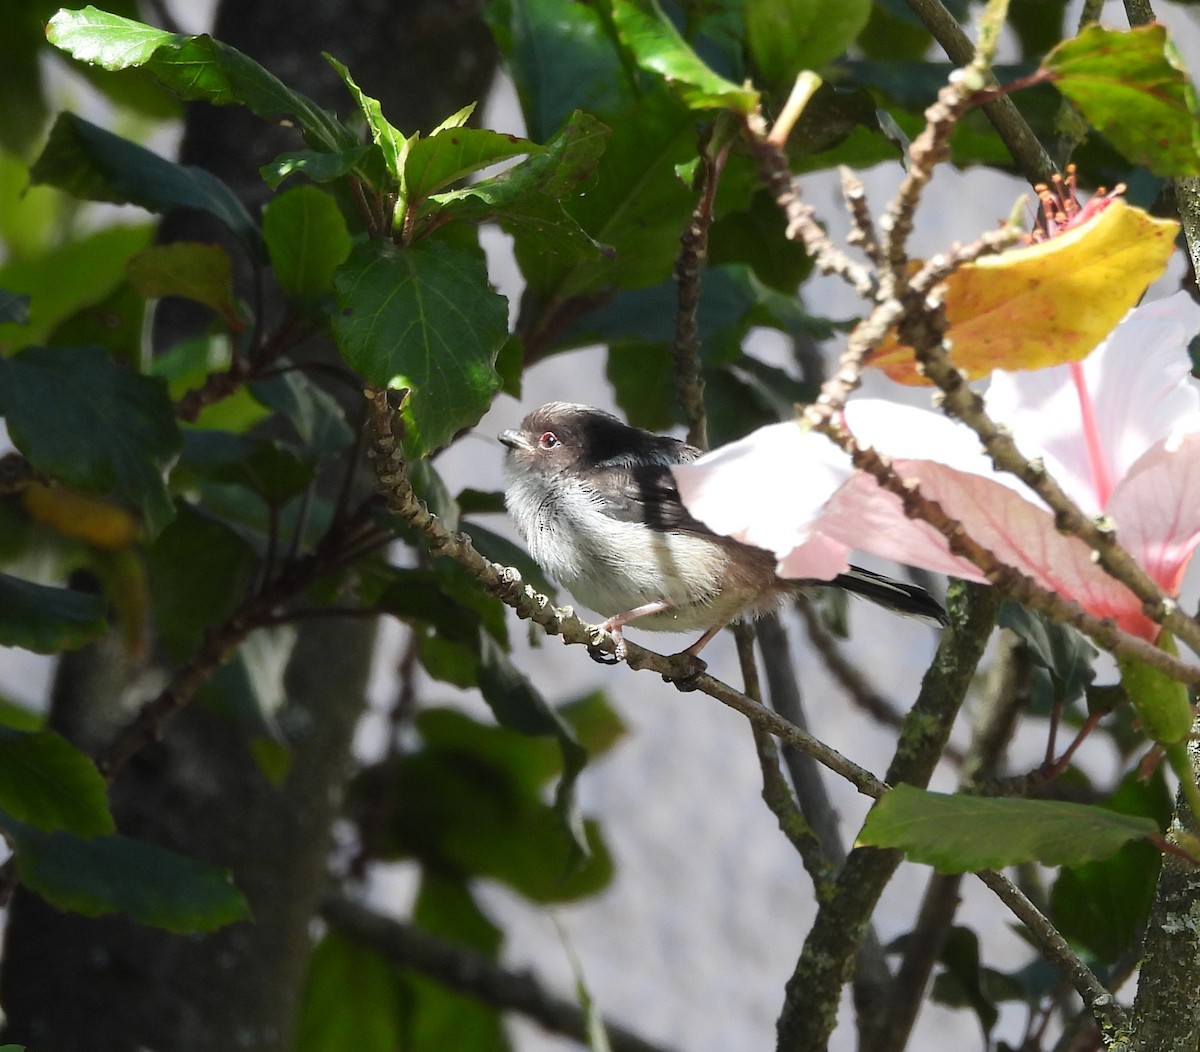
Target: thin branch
814, 990
505, 583
850, 677
783, 694
1113, 1019
777, 794
801, 220
862, 225
871, 975
995, 720
689, 265
218, 646
469, 972
1026, 151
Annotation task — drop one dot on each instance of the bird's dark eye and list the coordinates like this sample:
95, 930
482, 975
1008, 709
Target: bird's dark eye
548, 440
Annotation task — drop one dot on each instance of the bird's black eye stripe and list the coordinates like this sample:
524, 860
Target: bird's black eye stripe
548, 440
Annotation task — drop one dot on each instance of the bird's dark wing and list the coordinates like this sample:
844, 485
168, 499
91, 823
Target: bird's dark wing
645, 493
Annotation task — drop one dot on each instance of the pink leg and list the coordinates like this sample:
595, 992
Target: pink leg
615, 623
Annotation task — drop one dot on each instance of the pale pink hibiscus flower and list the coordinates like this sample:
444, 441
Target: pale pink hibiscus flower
1119, 431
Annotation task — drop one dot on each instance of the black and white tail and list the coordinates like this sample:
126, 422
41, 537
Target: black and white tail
891, 595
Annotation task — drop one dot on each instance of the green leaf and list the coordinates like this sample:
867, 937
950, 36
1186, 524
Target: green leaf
193, 67
559, 64
352, 999
60, 281
788, 36
518, 705
637, 204
527, 200
960, 958
454, 153
48, 784
315, 415
644, 382
424, 318
1102, 905
92, 425
193, 271
962, 834
47, 620
1131, 85
261, 465
14, 308
391, 141
307, 240
1060, 649
115, 323
442, 1018
1163, 705
190, 594
95, 165
460, 810
107, 874
20, 717
318, 166
417, 595
657, 46
531, 762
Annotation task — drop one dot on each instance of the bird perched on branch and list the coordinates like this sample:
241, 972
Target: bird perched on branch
597, 504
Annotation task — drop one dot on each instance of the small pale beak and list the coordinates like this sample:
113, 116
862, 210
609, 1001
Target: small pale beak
513, 439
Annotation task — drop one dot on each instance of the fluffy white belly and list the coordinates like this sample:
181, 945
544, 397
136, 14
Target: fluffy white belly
613, 566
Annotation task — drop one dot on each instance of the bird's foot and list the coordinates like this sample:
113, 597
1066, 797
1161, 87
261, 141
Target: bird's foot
686, 671
618, 652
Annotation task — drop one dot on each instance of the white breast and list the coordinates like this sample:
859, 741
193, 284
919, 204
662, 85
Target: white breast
613, 566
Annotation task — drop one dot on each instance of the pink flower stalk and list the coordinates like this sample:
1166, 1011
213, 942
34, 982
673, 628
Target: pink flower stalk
1119, 431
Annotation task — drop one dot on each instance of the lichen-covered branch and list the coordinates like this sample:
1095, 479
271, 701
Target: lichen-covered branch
814, 990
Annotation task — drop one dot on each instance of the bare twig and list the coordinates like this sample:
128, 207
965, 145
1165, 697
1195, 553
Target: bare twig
1028, 153
777, 794
689, 265
1113, 1019
801, 220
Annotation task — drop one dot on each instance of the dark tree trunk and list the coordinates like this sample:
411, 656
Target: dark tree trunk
112, 985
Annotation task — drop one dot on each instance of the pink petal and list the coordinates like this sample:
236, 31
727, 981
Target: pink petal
1019, 533
1138, 393
1156, 508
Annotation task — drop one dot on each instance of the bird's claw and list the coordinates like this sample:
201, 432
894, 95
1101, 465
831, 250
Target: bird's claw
687, 678
602, 657
618, 653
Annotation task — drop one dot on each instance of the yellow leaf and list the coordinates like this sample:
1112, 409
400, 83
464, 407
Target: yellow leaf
95, 522
1047, 304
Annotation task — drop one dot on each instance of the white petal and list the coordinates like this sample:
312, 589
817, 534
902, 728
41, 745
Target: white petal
768, 489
